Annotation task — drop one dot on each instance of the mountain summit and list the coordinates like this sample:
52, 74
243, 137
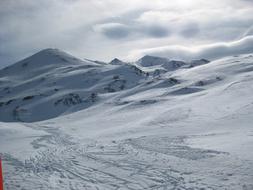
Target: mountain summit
148, 61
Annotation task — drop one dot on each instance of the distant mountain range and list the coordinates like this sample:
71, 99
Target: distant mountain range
51, 82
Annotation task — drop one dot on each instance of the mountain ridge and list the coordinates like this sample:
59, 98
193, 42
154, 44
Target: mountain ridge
64, 83
105, 126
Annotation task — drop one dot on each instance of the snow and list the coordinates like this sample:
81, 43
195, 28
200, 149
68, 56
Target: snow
148, 61
16, 138
116, 61
188, 128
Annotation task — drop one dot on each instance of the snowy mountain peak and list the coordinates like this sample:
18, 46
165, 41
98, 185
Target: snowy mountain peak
116, 61
167, 64
148, 61
50, 51
45, 60
162, 62
54, 80
198, 62
52, 56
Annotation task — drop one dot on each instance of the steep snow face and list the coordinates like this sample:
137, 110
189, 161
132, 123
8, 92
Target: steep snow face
186, 129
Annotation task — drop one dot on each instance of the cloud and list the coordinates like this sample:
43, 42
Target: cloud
117, 31
154, 30
190, 30
198, 24
248, 32
211, 51
248, 1
87, 28
113, 30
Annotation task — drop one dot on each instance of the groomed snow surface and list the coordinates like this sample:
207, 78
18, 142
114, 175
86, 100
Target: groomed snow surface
154, 124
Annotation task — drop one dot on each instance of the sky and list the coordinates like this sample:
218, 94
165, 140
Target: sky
105, 29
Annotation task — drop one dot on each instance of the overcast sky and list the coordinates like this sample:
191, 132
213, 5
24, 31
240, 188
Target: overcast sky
104, 29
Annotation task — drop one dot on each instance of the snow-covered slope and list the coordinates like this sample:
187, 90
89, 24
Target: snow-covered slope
116, 61
159, 65
169, 65
52, 82
148, 61
188, 128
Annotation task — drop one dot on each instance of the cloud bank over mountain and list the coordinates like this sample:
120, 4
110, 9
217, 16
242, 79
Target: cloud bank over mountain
104, 29
211, 51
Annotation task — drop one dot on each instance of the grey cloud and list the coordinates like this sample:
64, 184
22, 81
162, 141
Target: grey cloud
128, 24
119, 30
248, 32
190, 30
212, 52
248, 1
113, 30
157, 31
28, 26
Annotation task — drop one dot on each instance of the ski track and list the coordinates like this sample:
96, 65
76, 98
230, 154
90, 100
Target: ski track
148, 162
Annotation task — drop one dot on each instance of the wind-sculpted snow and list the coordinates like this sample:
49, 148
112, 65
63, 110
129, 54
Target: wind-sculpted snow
124, 126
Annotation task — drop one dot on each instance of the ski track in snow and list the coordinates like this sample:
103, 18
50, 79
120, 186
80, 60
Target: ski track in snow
149, 162
136, 126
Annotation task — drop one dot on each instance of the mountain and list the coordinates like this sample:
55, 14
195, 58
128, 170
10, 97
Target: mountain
199, 62
43, 61
116, 61
164, 64
148, 61
83, 124
52, 82
169, 65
